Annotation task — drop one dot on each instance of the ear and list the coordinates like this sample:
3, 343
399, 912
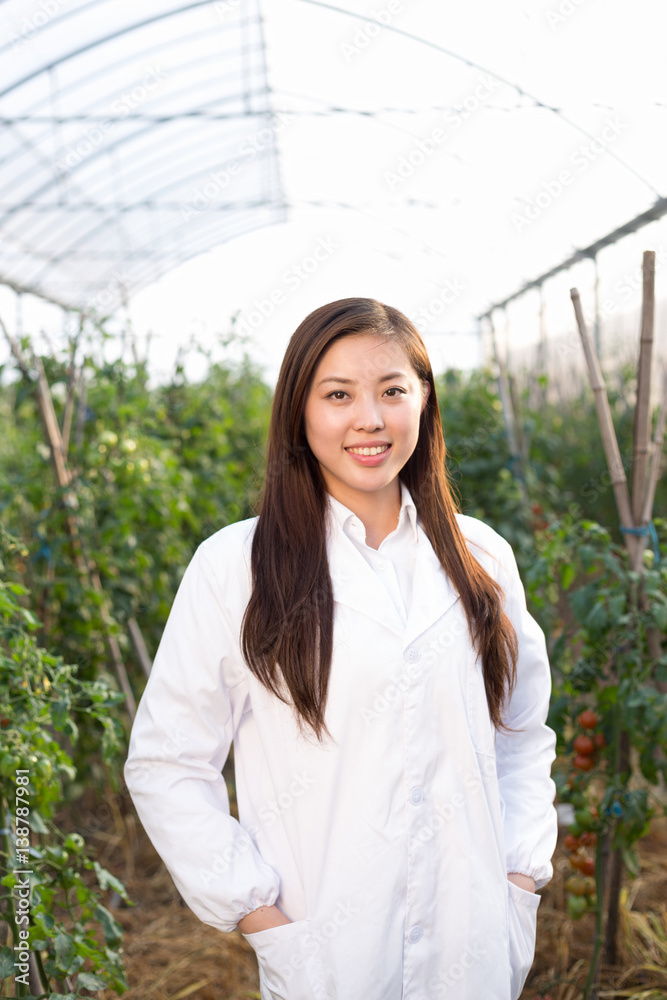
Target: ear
426, 392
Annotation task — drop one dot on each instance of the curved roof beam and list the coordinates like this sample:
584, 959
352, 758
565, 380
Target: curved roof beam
105, 150
128, 29
497, 76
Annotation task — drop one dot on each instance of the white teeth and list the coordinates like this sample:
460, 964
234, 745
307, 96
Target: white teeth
369, 451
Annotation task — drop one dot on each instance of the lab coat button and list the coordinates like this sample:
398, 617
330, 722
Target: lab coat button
416, 796
412, 654
415, 934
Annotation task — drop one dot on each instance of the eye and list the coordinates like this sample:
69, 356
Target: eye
394, 391
337, 394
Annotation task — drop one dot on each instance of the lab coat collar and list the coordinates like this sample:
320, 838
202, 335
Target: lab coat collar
357, 586
433, 593
344, 516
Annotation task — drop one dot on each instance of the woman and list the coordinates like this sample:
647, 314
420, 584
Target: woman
369, 652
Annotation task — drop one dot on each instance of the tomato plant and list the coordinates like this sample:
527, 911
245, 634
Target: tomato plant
610, 706
44, 700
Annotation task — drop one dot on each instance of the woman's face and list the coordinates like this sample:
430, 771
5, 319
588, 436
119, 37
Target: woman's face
362, 415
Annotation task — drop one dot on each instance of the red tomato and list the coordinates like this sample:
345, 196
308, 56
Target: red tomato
583, 762
600, 741
587, 867
588, 719
589, 838
572, 842
584, 745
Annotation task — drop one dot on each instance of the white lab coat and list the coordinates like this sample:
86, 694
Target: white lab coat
388, 847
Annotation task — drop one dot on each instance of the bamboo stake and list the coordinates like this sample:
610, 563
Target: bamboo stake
618, 478
508, 412
636, 515
655, 462
139, 646
72, 381
54, 437
81, 409
653, 637
642, 421
64, 479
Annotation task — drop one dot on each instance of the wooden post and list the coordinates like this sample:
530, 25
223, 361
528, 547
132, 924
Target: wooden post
508, 413
635, 515
653, 636
655, 461
609, 441
642, 421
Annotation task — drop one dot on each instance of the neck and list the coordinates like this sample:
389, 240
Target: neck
378, 512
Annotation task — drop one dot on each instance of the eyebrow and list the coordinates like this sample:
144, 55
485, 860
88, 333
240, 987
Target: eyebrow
350, 381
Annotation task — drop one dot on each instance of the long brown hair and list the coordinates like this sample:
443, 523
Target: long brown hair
287, 630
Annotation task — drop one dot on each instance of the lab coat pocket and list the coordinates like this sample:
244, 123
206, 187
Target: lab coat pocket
522, 925
289, 964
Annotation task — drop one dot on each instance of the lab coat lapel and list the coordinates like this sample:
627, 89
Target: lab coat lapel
433, 594
356, 585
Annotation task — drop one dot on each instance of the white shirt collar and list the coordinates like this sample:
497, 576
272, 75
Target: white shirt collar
347, 519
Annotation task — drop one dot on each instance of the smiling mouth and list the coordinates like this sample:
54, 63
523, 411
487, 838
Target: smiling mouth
369, 451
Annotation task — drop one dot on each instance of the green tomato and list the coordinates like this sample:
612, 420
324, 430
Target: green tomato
74, 842
584, 818
576, 906
56, 855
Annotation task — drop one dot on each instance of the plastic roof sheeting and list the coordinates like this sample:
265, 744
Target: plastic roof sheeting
135, 136
479, 145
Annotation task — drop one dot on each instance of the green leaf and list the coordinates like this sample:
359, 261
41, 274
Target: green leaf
567, 575
60, 714
106, 880
89, 981
64, 950
37, 823
6, 962
112, 930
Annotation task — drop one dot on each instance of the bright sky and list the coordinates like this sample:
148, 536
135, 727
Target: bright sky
458, 188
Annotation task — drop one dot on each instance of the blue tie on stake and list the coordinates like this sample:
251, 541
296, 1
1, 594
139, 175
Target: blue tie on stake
646, 529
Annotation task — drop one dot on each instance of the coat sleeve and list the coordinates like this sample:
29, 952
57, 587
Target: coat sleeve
179, 743
525, 754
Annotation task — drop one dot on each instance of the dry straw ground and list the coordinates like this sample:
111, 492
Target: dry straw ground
170, 955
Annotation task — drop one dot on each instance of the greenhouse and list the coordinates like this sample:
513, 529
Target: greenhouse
181, 185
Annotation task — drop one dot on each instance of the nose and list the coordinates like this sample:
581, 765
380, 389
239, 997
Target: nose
368, 414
